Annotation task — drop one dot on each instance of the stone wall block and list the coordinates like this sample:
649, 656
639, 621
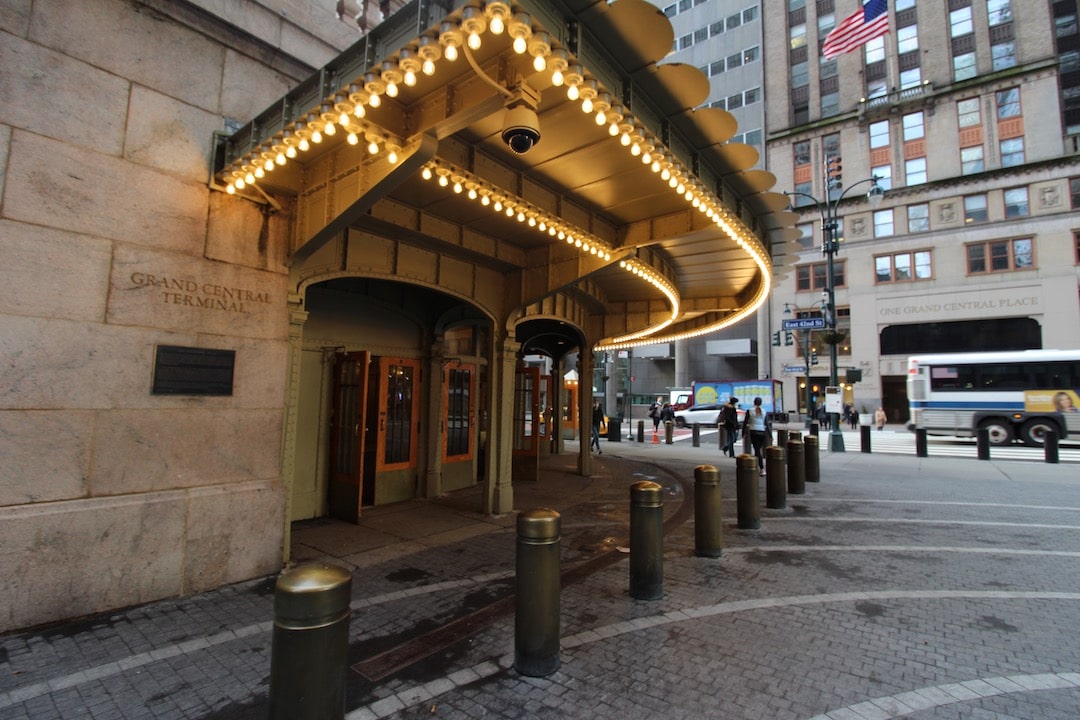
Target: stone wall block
76, 268
234, 533
239, 232
57, 364
137, 452
87, 556
34, 475
96, 102
173, 60
169, 135
184, 293
58, 185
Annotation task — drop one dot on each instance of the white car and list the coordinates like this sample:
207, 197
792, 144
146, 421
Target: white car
707, 415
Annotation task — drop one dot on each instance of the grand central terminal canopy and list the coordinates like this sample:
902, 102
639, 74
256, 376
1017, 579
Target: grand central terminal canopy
542, 137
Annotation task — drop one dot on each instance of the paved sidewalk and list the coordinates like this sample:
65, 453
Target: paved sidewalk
895, 587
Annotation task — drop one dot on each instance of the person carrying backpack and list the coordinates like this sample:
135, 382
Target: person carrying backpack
729, 420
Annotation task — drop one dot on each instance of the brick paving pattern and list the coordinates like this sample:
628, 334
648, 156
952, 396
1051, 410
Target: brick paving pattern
896, 587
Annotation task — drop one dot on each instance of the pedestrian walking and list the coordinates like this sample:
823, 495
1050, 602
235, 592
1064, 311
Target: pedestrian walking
879, 418
729, 420
757, 425
654, 413
597, 419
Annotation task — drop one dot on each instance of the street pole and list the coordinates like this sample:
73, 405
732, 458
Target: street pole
809, 367
836, 438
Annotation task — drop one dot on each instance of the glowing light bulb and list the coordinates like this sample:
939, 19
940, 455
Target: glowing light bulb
572, 92
474, 41
428, 68
290, 152
426, 173
239, 183
329, 129
392, 156
450, 53
316, 137
375, 101
557, 78
391, 89
304, 145
496, 26
373, 147
343, 119
443, 181
586, 105
520, 45
359, 110
259, 173
601, 118
410, 78
539, 63
353, 139
280, 159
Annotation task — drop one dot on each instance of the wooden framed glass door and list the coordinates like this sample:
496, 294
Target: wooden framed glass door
398, 411
348, 430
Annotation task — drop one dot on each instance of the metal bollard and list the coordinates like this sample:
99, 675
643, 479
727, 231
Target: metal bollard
695, 438
796, 468
1050, 446
864, 437
982, 444
669, 430
708, 528
920, 442
814, 428
536, 624
641, 431
775, 482
811, 460
310, 646
781, 439
646, 541
721, 437
746, 492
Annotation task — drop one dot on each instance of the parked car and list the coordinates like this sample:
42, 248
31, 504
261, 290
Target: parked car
701, 414
708, 415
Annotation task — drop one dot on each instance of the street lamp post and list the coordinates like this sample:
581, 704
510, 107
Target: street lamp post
829, 211
808, 353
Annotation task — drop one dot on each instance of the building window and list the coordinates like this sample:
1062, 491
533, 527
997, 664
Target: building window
685, 5
717, 28
915, 171
800, 74
1074, 192
875, 50
701, 35
734, 61
716, 67
879, 134
806, 240
998, 12
797, 36
918, 218
907, 39
734, 21
831, 145
801, 153
753, 137
734, 101
830, 104
750, 13
802, 194
1076, 241
883, 223
904, 5
1016, 202
1003, 55
670, 11
963, 66
686, 41
960, 22
1008, 103
913, 126
751, 54
910, 78
903, 267
968, 112
1000, 256
1012, 152
883, 174
752, 96
827, 68
971, 160
975, 209
816, 276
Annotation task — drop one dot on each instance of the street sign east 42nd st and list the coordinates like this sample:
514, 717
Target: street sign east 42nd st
804, 324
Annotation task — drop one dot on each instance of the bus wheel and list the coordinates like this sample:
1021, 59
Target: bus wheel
1001, 432
1034, 431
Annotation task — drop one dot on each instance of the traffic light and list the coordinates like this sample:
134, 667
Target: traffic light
833, 170
813, 357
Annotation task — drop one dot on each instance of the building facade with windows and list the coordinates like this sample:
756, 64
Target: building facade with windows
965, 112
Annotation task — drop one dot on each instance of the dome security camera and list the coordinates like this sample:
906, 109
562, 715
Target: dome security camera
521, 129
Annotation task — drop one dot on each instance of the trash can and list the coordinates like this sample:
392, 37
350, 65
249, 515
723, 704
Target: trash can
614, 429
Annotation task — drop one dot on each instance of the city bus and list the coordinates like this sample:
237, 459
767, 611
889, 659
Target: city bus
1013, 394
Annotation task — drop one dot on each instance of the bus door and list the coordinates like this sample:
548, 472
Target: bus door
526, 424
348, 430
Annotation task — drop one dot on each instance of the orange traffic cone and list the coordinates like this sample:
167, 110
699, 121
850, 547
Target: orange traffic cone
655, 438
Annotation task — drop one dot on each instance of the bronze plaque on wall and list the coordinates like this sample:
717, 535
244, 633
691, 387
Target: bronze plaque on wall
193, 371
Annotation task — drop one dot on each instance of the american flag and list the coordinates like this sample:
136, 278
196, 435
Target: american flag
854, 31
